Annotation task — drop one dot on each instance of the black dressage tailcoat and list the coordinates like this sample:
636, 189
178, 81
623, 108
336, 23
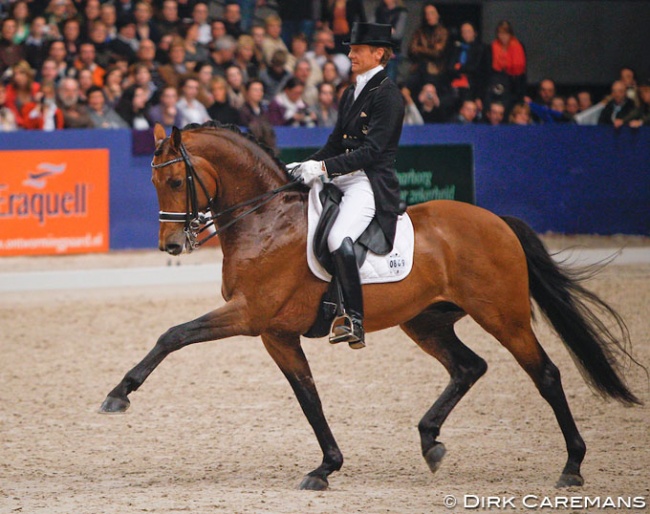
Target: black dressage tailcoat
366, 137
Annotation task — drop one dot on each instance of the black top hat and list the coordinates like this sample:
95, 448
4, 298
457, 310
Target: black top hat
374, 34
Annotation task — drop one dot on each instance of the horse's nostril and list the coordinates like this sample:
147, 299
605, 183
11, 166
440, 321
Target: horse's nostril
173, 248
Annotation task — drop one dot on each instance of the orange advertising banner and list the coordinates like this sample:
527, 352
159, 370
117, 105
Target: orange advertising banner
54, 202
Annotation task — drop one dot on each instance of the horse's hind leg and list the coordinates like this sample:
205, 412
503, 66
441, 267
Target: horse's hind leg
433, 331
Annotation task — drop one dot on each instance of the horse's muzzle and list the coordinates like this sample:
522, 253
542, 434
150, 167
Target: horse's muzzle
173, 248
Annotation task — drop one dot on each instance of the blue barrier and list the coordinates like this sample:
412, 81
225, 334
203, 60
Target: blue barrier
560, 178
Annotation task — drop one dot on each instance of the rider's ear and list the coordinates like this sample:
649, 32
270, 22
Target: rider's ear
175, 138
158, 134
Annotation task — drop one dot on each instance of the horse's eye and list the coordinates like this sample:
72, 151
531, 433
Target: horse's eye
175, 183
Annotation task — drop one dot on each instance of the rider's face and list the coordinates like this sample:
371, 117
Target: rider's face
364, 58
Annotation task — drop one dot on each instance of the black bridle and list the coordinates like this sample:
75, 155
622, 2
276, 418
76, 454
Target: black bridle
193, 217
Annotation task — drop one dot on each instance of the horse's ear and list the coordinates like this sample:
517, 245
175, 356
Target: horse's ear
159, 134
175, 138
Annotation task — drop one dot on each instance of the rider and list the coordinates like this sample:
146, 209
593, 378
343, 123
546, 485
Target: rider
359, 158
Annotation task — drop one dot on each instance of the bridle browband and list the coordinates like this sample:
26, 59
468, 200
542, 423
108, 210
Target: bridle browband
193, 218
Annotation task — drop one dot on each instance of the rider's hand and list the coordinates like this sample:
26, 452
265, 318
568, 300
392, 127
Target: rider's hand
309, 171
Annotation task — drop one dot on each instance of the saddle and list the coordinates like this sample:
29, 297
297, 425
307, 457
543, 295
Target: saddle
372, 239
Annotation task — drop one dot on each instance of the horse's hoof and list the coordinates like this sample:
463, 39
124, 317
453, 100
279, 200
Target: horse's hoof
113, 405
311, 483
434, 456
570, 480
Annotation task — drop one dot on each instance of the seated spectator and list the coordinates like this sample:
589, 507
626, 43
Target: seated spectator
71, 36
584, 100
43, 114
571, 106
429, 47
253, 108
258, 33
467, 113
192, 111
139, 75
172, 73
91, 13
222, 54
126, 42
169, 22
204, 73
145, 27
8, 116
245, 57
275, 76
331, 74
101, 114
86, 60
433, 108
520, 114
618, 107
112, 86
19, 11
194, 51
98, 36
627, 76
85, 79
558, 104
302, 72
166, 113
217, 29
200, 16
21, 88
56, 52
221, 109
232, 18
36, 43
272, 40
10, 52
495, 114
640, 115
132, 108
288, 109
146, 54
325, 107
108, 17
75, 114
235, 81
469, 64
339, 16
323, 51
412, 115
507, 81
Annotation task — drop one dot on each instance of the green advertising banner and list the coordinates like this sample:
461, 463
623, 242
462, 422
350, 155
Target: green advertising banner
425, 172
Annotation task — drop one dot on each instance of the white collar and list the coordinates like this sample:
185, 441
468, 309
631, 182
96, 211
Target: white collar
364, 78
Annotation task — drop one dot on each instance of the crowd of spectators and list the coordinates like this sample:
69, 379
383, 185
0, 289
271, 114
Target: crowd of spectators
123, 63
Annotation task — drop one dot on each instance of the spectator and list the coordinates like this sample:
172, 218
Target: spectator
194, 51
92, 12
75, 114
393, 13
166, 113
339, 15
323, 51
412, 115
258, 33
288, 108
132, 108
101, 114
572, 107
546, 91
627, 76
8, 118
21, 88
299, 47
172, 73
71, 36
253, 114
302, 72
584, 100
192, 111
140, 76
85, 79
235, 81
112, 88
123, 7
469, 65
56, 52
298, 17
185, 9
169, 21
507, 82
86, 60
432, 108
222, 54
275, 76
109, 18
125, 43
272, 40
200, 14
43, 114
232, 19
204, 73
217, 29
245, 57
35, 46
163, 47
56, 13
331, 74
520, 114
495, 113
640, 115
19, 11
145, 27
99, 38
10, 52
618, 107
221, 109
467, 113
48, 72
429, 45
325, 108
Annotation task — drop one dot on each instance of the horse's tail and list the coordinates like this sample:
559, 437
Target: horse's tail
571, 309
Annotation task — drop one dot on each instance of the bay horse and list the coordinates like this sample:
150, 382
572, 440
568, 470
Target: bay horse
468, 261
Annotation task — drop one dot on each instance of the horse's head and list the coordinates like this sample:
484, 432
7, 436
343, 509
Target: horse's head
185, 188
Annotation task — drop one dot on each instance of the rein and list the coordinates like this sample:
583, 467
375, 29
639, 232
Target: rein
193, 218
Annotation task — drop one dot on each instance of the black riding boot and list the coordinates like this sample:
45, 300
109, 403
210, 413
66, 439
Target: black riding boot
348, 275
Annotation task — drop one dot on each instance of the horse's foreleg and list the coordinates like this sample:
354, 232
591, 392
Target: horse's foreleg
286, 351
434, 332
223, 322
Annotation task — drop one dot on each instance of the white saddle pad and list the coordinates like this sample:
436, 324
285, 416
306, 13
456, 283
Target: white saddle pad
392, 267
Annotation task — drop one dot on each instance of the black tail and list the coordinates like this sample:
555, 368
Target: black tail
569, 307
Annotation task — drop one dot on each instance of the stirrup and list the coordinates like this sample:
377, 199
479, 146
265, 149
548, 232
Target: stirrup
342, 330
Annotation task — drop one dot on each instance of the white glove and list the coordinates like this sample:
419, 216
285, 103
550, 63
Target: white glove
308, 171
292, 168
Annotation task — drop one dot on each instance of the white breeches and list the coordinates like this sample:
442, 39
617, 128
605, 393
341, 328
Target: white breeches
356, 210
